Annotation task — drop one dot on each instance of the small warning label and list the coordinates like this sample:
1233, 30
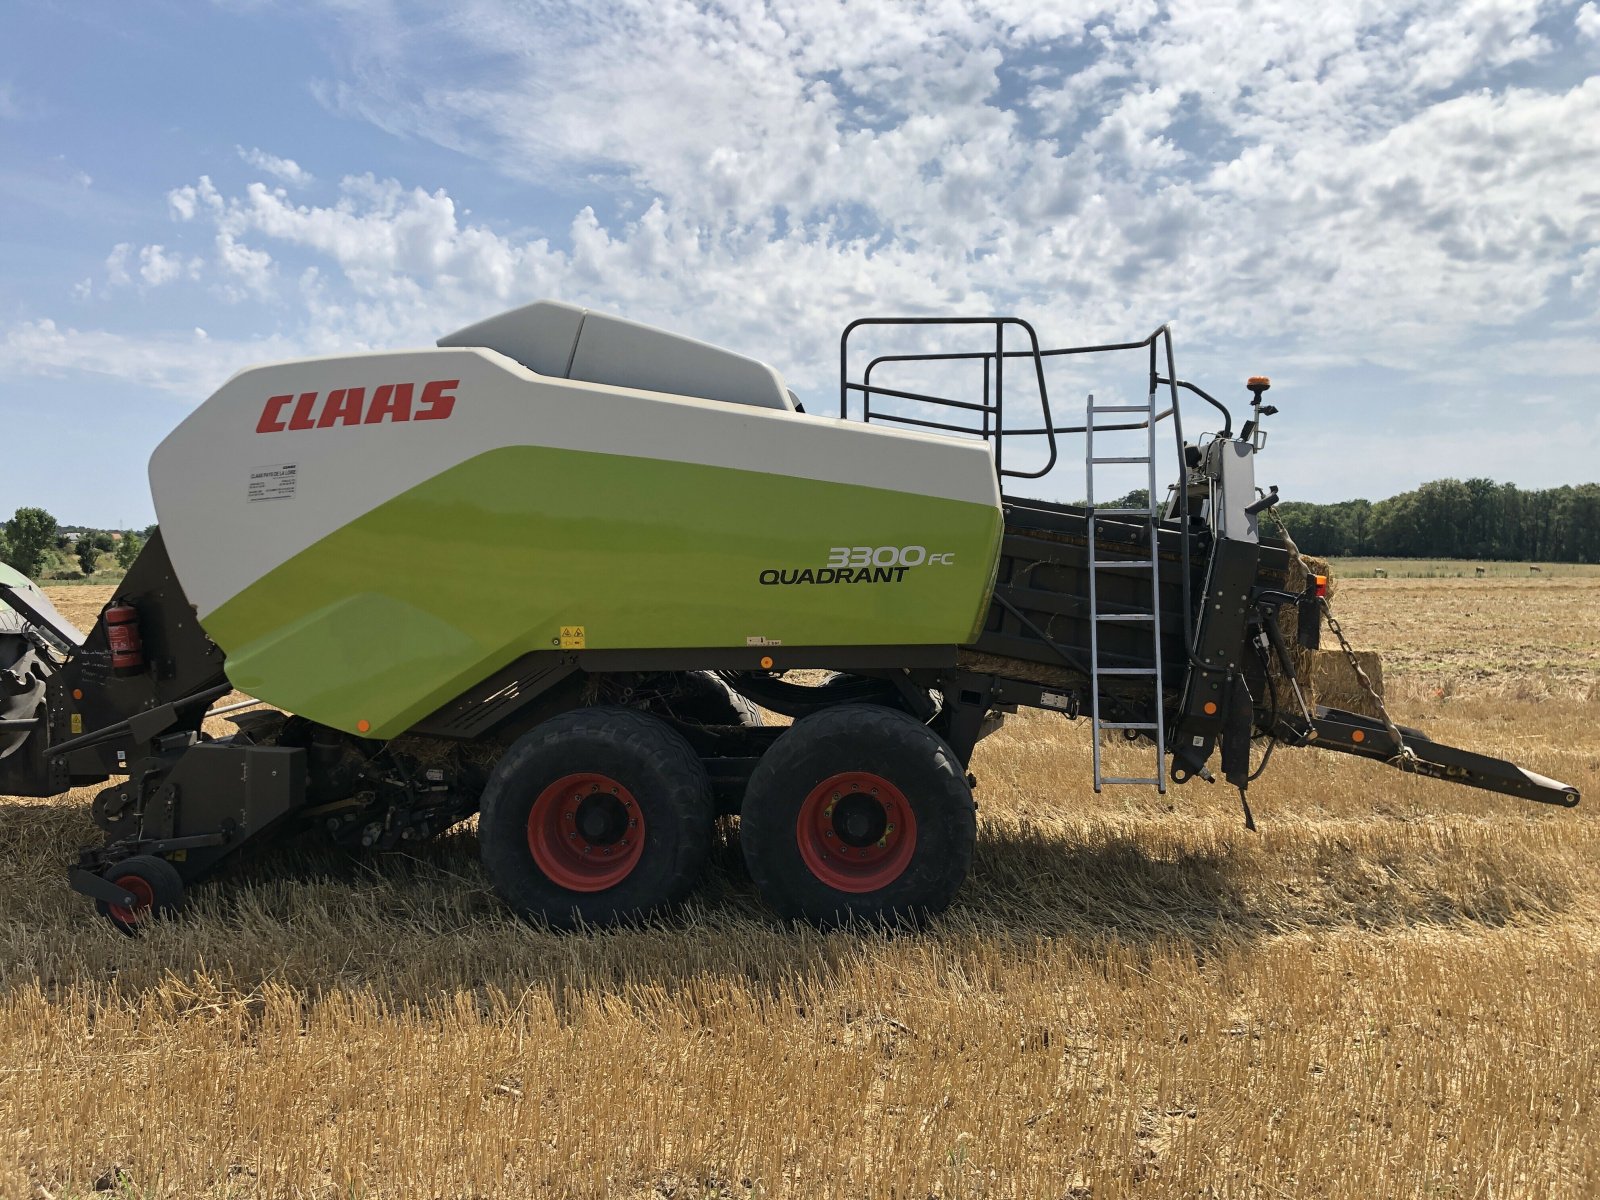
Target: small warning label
572, 637
275, 481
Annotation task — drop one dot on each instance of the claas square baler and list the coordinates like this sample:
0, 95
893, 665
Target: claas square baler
551, 571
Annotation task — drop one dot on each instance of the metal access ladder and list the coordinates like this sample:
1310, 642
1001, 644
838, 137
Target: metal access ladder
1156, 729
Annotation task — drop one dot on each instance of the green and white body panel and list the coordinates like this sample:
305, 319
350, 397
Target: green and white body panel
362, 569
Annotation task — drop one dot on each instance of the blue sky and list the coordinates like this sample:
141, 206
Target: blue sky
1391, 208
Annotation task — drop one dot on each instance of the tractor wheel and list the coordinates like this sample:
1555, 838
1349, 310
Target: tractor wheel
597, 816
156, 886
858, 811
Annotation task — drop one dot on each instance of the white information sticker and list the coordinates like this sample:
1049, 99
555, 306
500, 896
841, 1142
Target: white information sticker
276, 481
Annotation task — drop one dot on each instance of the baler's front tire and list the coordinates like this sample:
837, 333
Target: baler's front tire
597, 816
859, 811
155, 885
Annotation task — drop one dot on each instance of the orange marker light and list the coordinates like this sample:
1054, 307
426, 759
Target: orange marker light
1322, 586
77, 693
1211, 707
363, 725
1358, 736
766, 662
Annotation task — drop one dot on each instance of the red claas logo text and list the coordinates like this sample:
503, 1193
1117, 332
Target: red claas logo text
350, 406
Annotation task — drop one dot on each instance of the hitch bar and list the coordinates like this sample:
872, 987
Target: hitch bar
1366, 737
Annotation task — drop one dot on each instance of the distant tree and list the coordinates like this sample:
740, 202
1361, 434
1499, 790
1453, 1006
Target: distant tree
148, 532
88, 555
29, 534
104, 541
128, 549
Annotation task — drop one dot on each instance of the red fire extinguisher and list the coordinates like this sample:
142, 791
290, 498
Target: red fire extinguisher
122, 632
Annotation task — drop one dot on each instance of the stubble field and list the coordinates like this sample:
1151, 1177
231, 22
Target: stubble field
1387, 991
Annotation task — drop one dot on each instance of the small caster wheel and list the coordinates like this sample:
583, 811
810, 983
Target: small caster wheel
156, 886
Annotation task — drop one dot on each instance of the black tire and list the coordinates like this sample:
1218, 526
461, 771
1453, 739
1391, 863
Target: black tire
154, 881
647, 776
793, 815
703, 699
22, 685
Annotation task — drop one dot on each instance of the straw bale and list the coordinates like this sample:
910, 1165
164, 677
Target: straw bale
1334, 681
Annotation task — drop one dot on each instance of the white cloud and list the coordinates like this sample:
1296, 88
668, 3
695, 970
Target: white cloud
157, 267
1357, 183
252, 269
182, 364
1587, 21
117, 265
285, 169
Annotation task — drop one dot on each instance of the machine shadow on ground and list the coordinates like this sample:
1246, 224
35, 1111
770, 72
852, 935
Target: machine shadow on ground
418, 927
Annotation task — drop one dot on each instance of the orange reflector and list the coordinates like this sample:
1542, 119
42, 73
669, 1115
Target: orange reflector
363, 725
77, 693
1358, 736
1322, 586
766, 662
1211, 707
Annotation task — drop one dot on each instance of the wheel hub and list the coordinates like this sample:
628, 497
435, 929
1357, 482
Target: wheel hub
586, 832
860, 819
601, 819
856, 832
144, 899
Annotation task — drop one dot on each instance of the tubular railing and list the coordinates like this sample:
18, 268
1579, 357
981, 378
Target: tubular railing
991, 408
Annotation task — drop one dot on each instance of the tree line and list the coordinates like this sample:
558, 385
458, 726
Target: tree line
34, 543
1454, 518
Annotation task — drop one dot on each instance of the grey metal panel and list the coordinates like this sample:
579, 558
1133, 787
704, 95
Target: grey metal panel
626, 354
1234, 469
540, 336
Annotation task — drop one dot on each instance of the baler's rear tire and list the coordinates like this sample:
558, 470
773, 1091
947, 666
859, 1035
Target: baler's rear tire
704, 699
597, 816
858, 811
156, 886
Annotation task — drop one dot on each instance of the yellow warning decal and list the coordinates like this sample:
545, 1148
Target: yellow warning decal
572, 637
77, 722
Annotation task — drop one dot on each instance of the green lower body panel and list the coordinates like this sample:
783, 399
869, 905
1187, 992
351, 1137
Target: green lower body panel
530, 548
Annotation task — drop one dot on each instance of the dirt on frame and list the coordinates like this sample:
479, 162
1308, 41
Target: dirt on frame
1388, 991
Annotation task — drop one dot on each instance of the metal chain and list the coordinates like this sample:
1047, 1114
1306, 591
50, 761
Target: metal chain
1404, 757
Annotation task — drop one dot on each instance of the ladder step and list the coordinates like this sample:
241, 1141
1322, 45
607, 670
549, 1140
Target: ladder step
1128, 671
1124, 616
1127, 725
1094, 408
1122, 512
1123, 458
1121, 562
1127, 779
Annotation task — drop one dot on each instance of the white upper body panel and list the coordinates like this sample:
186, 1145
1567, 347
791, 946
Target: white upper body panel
281, 456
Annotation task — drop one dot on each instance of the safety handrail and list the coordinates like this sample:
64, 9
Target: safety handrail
997, 357
992, 427
1159, 343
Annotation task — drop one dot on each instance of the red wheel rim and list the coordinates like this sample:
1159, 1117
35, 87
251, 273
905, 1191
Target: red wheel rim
586, 832
856, 832
144, 897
